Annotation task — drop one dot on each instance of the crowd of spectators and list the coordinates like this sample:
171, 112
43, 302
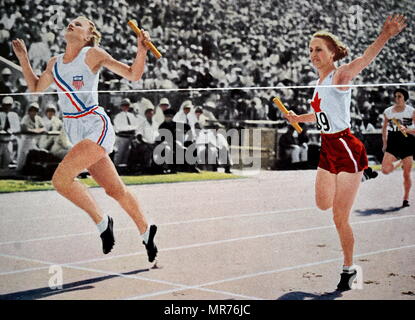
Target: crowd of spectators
32, 132
185, 140
222, 44
216, 44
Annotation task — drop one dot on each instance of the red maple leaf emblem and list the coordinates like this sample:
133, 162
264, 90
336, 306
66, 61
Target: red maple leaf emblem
316, 103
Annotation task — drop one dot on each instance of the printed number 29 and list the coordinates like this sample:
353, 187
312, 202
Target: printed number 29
322, 121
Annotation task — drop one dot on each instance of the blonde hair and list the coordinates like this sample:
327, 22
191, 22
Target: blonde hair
95, 34
333, 43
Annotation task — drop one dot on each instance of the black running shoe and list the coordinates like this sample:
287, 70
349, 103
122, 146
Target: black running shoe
346, 280
108, 237
405, 204
150, 245
369, 174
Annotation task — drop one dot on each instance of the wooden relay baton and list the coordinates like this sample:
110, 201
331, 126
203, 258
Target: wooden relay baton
284, 110
153, 49
396, 122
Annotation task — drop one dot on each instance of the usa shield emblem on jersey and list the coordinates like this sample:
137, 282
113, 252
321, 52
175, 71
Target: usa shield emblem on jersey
78, 82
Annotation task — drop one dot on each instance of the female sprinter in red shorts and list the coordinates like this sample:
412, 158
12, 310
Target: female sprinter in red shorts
87, 125
342, 157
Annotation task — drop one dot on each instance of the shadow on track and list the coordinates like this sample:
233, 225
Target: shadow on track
369, 212
41, 293
300, 295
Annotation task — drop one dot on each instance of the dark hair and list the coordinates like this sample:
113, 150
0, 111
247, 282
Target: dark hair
403, 91
333, 43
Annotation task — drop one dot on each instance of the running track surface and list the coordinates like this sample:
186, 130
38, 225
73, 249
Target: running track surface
255, 238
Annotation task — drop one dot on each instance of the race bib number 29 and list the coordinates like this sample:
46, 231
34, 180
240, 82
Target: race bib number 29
322, 121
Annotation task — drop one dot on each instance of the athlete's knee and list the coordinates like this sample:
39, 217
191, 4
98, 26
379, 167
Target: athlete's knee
56, 181
323, 202
340, 221
59, 180
386, 169
323, 205
116, 192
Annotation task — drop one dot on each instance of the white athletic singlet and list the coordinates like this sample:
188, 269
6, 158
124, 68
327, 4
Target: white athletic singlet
76, 76
82, 117
404, 117
331, 106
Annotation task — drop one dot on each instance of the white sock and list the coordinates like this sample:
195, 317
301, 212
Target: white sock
349, 269
146, 234
103, 225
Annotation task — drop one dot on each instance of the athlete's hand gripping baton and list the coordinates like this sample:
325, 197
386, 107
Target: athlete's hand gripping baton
396, 122
284, 110
153, 49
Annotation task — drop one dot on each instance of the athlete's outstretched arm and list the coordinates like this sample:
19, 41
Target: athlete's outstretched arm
34, 83
97, 57
291, 116
392, 26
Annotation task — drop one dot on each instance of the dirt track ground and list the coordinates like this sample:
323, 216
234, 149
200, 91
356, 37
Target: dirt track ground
256, 238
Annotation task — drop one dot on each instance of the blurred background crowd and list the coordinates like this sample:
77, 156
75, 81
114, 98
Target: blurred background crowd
217, 44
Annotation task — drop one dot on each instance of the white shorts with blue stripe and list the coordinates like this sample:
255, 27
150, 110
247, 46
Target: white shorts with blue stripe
92, 123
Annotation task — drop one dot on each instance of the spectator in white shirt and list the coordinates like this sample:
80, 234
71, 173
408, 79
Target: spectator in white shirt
31, 126
213, 142
209, 107
145, 143
52, 124
58, 144
163, 105
148, 129
186, 117
126, 125
165, 82
207, 151
201, 118
9, 124
8, 19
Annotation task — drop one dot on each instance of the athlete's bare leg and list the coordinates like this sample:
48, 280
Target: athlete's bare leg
389, 163
324, 189
105, 174
407, 183
81, 156
347, 185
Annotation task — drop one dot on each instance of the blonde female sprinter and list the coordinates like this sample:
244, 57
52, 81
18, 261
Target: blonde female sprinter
342, 157
87, 125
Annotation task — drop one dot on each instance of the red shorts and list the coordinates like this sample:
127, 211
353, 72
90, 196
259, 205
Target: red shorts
342, 151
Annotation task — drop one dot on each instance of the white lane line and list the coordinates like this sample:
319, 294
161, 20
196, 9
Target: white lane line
306, 265
162, 224
239, 189
21, 270
155, 208
155, 294
218, 242
257, 274
61, 216
210, 243
211, 283
169, 283
127, 276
